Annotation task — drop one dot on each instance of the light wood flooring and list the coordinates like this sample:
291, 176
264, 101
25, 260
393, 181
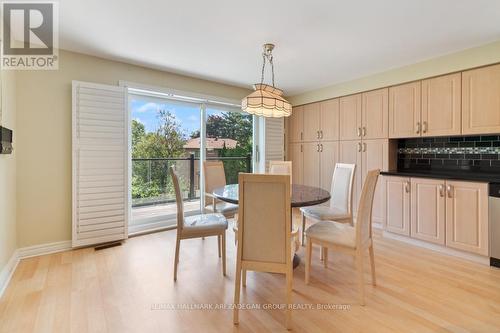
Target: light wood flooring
130, 289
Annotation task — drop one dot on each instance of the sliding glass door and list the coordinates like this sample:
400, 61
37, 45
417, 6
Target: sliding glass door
166, 132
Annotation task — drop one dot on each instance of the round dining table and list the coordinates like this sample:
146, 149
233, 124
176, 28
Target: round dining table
302, 196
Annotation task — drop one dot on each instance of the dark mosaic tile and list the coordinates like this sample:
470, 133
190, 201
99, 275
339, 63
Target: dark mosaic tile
466, 144
450, 162
495, 164
428, 140
489, 156
429, 155
424, 145
423, 161
472, 138
482, 163
489, 138
484, 144
451, 144
446, 156
496, 144
441, 139
436, 163
457, 156
456, 139
437, 145
473, 156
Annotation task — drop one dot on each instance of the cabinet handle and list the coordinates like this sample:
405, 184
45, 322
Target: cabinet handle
364, 131
358, 131
425, 127
364, 147
450, 190
317, 134
301, 149
419, 127
407, 187
359, 147
441, 190
321, 147
301, 136
321, 134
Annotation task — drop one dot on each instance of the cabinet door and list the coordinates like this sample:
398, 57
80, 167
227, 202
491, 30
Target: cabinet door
350, 117
481, 100
296, 156
428, 210
329, 120
467, 216
375, 155
398, 205
350, 152
404, 110
296, 122
310, 175
329, 156
375, 114
442, 105
311, 122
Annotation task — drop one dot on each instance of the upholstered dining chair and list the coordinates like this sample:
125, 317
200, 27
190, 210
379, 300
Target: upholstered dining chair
264, 232
197, 226
340, 208
215, 177
353, 240
281, 168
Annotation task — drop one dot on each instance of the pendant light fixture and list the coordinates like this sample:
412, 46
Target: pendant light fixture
266, 100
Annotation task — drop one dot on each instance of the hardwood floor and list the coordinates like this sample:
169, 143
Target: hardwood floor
129, 288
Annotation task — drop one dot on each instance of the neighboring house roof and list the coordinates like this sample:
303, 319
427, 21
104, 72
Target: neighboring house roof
212, 143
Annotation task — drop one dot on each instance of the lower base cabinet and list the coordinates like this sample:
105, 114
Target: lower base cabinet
450, 213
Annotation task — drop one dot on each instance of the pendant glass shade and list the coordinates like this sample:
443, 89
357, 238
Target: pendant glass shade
266, 101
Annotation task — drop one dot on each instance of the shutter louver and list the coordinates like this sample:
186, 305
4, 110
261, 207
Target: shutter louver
100, 164
275, 140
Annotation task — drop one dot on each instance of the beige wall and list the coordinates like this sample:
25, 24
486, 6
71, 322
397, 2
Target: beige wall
475, 57
44, 136
8, 173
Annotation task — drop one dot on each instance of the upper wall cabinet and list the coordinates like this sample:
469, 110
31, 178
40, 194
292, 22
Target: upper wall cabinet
350, 117
295, 124
311, 122
374, 115
329, 120
481, 100
404, 110
441, 105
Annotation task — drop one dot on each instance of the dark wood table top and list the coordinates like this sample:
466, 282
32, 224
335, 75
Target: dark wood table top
302, 195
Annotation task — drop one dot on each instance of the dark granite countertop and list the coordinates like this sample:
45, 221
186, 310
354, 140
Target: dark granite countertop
446, 174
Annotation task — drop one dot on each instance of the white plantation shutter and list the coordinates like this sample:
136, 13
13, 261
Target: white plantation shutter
275, 140
100, 164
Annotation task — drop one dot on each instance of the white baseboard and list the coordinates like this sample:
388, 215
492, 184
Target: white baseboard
27, 252
439, 248
7, 272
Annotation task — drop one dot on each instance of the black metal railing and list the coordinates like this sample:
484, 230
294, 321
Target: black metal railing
151, 183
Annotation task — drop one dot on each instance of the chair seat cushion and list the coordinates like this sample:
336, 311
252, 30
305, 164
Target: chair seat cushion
204, 223
323, 213
333, 232
224, 207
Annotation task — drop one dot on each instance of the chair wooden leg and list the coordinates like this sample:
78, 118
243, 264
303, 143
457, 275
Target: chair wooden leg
372, 262
288, 311
237, 286
308, 259
176, 258
219, 244
224, 253
325, 257
303, 229
244, 277
321, 251
361, 280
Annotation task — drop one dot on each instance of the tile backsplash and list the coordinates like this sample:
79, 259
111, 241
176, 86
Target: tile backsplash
474, 153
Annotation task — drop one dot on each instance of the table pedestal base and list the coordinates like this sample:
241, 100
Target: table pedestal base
296, 261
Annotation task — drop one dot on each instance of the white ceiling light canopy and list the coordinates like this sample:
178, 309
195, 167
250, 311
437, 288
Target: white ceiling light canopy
266, 100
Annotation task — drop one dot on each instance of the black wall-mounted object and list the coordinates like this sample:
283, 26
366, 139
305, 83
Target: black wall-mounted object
5, 140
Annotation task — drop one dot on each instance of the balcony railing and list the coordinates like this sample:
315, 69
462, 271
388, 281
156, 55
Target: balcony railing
151, 182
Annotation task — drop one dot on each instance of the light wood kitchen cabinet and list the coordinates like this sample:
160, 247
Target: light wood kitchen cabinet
375, 155
295, 124
428, 210
375, 114
329, 120
398, 205
296, 150
329, 156
405, 110
481, 100
310, 162
441, 105
350, 117
467, 216
311, 119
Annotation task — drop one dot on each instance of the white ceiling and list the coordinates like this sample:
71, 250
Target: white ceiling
318, 43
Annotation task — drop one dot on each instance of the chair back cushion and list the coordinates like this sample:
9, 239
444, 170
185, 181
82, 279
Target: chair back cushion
364, 218
342, 188
178, 199
264, 226
214, 177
